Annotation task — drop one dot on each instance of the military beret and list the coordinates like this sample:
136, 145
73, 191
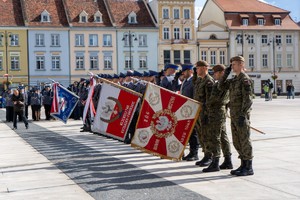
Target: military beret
138, 74
186, 67
219, 68
152, 73
237, 58
202, 63
167, 66
121, 75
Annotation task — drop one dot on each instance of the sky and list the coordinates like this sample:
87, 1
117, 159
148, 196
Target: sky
291, 5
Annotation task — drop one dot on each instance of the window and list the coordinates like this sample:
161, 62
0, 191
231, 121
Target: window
93, 40
289, 60
126, 40
187, 56
142, 40
167, 56
165, 13
80, 61
93, 62
222, 57
15, 62
166, 34
39, 40
203, 55
245, 22
213, 57
83, 17
79, 40
186, 13
176, 33
277, 21
14, 40
239, 38
261, 22
55, 40
143, 62
278, 60
289, 39
107, 40
40, 62
264, 39
45, 16
98, 17
187, 33
177, 57
128, 62
55, 62
250, 39
278, 39
107, 62
265, 60
132, 18
176, 14
251, 60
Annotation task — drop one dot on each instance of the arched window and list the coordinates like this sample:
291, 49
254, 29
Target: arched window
213, 37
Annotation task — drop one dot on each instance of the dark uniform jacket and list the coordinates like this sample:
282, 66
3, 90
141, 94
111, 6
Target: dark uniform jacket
187, 88
19, 106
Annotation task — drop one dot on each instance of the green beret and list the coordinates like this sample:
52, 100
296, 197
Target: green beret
219, 68
237, 58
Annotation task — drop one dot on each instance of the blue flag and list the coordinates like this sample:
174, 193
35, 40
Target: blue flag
64, 103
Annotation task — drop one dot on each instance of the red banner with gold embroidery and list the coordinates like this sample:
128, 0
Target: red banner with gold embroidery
165, 123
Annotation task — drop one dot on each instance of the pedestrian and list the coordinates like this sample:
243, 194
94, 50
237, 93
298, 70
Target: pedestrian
270, 90
289, 90
201, 94
278, 90
240, 96
217, 136
47, 101
18, 101
9, 106
266, 91
36, 104
292, 91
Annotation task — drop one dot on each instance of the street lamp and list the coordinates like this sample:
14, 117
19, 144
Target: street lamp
128, 36
6, 35
274, 77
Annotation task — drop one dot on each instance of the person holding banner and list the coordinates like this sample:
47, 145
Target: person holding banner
240, 95
217, 137
186, 89
204, 88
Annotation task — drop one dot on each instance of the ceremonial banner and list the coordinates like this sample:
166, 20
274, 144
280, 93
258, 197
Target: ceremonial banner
63, 103
165, 123
115, 110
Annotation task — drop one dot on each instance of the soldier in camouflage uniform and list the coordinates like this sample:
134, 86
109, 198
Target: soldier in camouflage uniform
202, 93
217, 136
240, 96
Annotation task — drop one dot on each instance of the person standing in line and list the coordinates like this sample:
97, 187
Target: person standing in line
36, 103
18, 101
9, 106
240, 96
47, 101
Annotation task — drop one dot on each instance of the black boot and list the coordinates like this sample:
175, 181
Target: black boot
206, 160
227, 164
213, 167
246, 170
193, 155
243, 163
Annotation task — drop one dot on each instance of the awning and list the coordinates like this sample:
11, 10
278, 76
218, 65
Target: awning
276, 16
244, 16
259, 16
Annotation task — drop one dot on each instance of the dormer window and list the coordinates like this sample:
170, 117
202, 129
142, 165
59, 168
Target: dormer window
132, 18
277, 19
83, 17
98, 17
245, 19
45, 16
260, 22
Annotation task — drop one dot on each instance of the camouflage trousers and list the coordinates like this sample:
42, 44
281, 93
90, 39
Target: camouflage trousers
202, 131
217, 139
241, 138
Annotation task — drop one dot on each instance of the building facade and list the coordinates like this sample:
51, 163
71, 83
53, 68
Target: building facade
177, 39
265, 35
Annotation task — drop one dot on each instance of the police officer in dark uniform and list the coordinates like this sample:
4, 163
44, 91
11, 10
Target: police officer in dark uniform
47, 101
169, 80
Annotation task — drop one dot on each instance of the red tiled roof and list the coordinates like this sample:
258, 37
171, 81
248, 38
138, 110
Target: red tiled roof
75, 7
121, 9
34, 8
11, 13
247, 6
233, 21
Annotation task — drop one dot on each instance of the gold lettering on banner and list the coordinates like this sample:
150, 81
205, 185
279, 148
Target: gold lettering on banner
171, 102
156, 144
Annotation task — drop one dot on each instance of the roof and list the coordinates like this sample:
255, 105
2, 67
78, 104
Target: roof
91, 7
11, 13
34, 8
248, 6
233, 21
121, 9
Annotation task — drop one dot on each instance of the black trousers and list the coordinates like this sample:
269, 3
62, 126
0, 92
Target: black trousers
21, 116
26, 111
9, 113
47, 111
33, 112
194, 141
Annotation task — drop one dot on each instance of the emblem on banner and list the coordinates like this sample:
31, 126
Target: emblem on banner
109, 113
154, 98
143, 136
173, 146
163, 123
186, 111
